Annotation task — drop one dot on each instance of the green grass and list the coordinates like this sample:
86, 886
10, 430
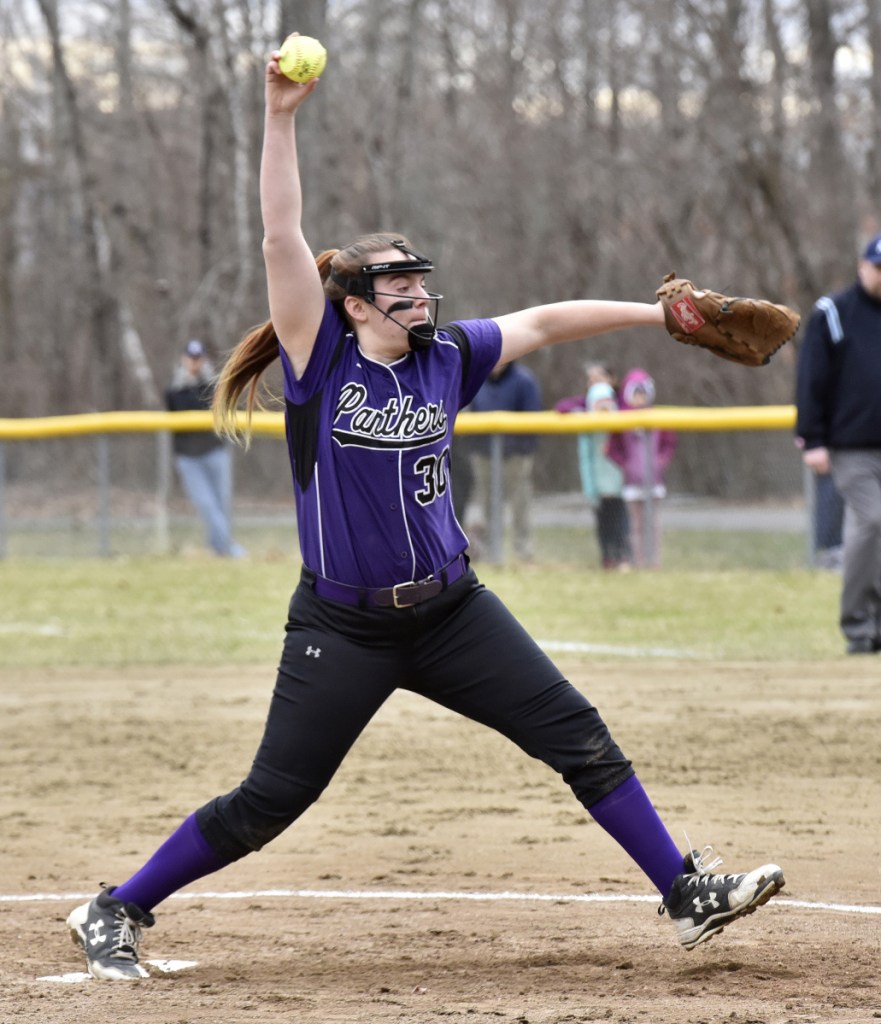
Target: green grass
200, 610
710, 550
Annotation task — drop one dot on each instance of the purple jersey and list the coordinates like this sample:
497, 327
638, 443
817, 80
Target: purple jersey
370, 451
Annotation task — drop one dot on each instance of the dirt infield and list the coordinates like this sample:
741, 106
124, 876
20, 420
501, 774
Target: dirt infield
766, 761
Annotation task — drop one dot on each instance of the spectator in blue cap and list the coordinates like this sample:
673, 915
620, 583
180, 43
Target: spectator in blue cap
203, 460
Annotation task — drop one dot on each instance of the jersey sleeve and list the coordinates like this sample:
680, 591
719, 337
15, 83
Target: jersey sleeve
484, 339
298, 391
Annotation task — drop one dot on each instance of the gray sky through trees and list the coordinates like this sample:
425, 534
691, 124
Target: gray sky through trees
537, 152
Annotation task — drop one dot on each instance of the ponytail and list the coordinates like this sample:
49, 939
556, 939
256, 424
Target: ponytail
323, 261
241, 373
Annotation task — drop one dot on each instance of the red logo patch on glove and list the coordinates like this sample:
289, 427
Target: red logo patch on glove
687, 314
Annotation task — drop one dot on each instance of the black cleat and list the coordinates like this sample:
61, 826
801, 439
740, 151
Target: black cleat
109, 931
700, 904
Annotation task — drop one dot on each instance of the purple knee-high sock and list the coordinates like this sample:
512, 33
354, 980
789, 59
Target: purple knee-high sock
630, 819
185, 856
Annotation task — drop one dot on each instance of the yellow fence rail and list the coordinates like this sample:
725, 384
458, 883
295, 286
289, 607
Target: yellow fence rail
773, 417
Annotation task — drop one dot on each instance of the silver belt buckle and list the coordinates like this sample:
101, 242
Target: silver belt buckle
402, 586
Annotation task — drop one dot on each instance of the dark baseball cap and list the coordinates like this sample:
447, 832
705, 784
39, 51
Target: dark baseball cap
872, 252
194, 348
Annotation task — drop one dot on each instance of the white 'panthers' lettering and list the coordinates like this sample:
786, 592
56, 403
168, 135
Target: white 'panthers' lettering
395, 421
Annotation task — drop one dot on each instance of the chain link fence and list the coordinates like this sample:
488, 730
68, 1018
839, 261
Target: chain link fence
116, 494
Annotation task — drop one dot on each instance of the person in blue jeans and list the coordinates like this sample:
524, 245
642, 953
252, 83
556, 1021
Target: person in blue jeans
513, 388
203, 460
828, 523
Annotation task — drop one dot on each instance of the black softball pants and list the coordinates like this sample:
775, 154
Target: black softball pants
462, 649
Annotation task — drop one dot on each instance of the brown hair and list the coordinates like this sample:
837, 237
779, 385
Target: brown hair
258, 349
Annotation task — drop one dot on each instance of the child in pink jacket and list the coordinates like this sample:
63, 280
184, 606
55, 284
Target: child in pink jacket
634, 451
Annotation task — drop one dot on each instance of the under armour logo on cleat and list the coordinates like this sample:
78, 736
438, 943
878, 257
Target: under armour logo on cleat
701, 905
313, 652
98, 935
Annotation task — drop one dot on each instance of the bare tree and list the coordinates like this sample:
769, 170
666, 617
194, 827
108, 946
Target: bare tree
577, 147
829, 174
96, 285
11, 186
873, 161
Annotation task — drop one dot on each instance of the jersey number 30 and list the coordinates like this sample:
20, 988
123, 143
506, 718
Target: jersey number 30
435, 473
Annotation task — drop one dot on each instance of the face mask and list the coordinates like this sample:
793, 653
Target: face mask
419, 336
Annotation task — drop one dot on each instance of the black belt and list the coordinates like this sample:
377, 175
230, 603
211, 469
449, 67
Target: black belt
402, 595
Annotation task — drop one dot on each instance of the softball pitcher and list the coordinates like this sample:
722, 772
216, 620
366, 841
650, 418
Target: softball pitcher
386, 597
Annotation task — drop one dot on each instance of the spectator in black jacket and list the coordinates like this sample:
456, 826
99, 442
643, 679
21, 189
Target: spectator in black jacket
510, 388
839, 425
203, 460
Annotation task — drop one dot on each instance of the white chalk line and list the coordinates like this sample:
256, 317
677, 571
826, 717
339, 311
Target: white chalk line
78, 977
623, 651
404, 894
31, 629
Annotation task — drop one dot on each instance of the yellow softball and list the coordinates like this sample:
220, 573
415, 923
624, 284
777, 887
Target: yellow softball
302, 58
